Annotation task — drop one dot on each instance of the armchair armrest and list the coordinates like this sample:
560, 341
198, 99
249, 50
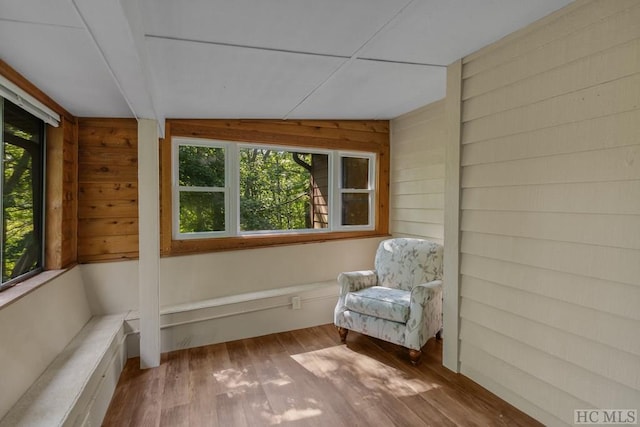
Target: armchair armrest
425, 313
423, 292
351, 281
355, 280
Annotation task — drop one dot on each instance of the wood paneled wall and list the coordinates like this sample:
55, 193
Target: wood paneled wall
107, 189
417, 173
550, 223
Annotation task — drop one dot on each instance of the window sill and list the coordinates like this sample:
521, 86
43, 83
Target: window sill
14, 293
194, 246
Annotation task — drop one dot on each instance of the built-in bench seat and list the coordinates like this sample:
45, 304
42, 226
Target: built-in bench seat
68, 391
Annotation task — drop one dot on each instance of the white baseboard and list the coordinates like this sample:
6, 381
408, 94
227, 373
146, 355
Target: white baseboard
240, 316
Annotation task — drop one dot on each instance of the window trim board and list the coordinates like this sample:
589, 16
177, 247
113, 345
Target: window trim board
356, 137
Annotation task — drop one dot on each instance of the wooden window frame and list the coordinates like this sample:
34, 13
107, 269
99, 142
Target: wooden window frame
61, 171
347, 135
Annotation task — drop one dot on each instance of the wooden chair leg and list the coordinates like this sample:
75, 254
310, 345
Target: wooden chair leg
415, 356
343, 333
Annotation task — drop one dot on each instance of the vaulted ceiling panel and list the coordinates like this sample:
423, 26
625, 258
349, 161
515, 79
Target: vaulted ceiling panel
374, 90
333, 27
333, 59
206, 80
63, 63
440, 32
49, 12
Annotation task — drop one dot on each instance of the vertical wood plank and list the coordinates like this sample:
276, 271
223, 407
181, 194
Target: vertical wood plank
70, 151
54, 193
61, 219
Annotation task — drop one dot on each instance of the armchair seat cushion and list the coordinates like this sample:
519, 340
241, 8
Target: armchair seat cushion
379, 301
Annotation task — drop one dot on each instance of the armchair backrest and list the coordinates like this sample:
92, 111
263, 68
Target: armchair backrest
404, 262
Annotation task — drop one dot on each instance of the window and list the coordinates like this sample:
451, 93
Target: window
229, 189
22, 193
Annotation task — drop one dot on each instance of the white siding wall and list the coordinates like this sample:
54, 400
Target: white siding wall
550, 221
417, 173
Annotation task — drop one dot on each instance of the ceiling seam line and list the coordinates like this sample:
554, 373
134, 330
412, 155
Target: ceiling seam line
353, 57
391, 61
45, 24
243, 46
299, 52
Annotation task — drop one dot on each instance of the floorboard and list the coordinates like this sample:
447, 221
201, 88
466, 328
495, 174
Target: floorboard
304, 378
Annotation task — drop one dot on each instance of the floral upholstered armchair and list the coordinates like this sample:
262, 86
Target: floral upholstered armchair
400, 301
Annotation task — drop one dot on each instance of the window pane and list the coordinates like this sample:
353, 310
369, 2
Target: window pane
355, 173
22, 192
282, 190
355, 209
201, 166
201, 212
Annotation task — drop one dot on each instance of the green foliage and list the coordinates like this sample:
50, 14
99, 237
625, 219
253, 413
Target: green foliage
201, 167
275, 190
201, 211
18, 213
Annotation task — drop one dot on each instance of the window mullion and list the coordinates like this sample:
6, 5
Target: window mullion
232, 189
335, 197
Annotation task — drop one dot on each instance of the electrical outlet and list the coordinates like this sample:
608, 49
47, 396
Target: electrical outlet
295, 303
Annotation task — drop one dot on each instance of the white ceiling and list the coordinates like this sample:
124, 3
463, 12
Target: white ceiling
329, 59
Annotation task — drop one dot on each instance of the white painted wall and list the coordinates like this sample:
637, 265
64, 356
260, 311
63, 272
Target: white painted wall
222, 296
550, 223
417, 173
198, 277
35, 328
113, 287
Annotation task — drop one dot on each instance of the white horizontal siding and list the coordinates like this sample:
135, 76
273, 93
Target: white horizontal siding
612, 97
584, 352
595, 198
550, 213
614, 164
608, 65
516, 386
417, 173
620, 231
597, 390
583, 21
601, 262
611, 131
591, 323
605, 295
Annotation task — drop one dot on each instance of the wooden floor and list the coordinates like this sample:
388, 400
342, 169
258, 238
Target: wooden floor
304, 378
